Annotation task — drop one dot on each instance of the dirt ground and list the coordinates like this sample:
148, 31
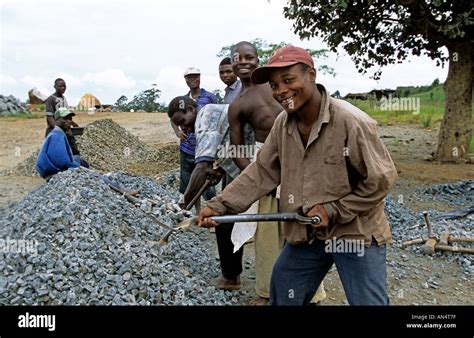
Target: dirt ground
408, 144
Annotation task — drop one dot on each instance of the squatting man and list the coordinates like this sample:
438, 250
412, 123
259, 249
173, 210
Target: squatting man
306, 153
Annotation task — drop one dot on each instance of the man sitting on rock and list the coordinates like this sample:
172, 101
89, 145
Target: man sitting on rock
56, 154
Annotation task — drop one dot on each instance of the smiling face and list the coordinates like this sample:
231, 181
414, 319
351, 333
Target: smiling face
65, 122
185, 119
193, 81
244, 60
292, 86
227, 74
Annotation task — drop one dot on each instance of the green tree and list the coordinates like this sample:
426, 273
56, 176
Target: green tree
382, 32
435, 83
146, 100
121, 104
265, 50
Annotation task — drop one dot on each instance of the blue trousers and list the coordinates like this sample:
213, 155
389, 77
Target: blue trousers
300, 269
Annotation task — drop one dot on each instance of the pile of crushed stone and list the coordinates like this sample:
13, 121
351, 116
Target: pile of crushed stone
88, 245
107, 146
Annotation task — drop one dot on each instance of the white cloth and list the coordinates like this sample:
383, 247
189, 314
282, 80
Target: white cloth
244, 231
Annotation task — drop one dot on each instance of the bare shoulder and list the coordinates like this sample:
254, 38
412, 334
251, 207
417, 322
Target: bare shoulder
239, 107
234, 107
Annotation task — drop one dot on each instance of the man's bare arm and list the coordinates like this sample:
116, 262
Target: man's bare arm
236, 129
198, 177
179, 133
51, 122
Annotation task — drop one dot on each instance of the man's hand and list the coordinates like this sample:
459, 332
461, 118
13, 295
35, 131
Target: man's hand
181, 134
215, 175
204, 220
74, 124
318, 210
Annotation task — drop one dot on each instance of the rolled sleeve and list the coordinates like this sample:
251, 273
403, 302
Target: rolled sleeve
371, 159
208, 134
204, 159
256, 181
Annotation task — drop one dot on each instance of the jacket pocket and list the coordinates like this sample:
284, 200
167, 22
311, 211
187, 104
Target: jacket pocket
335, 176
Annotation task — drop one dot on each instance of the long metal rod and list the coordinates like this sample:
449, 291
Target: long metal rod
280, 217
198, 195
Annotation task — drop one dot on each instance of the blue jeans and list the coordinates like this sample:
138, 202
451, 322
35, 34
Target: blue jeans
186, 169
300, 269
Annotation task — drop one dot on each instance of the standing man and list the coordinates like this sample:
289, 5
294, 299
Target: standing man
187, 145
330, 163
255, 106
211, 127
52, 104
228, 76
212, 132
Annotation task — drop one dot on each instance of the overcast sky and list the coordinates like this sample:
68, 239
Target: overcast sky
113, 48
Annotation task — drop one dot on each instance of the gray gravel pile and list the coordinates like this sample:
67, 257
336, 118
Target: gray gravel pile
26, 167
109, 147
403, 222
94, 247
105, 145
459, 193
10, 105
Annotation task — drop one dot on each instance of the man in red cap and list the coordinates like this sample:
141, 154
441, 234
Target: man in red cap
256, 108
329, 161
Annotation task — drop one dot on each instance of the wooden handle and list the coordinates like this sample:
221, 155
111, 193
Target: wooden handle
450, 248
412, 242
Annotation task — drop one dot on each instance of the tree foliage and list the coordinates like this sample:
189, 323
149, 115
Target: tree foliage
382, 32
265, 50
146, 100
122, 103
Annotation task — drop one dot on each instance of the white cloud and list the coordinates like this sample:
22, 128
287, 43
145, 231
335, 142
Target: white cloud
171, 82
114, 78
41, 83
122, 47
7, 81
211, 82
71, 80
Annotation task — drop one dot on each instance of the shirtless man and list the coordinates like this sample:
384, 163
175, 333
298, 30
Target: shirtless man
256, 106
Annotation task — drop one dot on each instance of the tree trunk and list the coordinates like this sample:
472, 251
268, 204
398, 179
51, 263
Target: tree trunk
456, 129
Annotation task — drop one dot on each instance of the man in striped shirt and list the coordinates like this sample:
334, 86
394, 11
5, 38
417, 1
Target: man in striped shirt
187, 147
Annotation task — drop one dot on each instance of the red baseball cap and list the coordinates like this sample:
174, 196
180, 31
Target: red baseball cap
282, 57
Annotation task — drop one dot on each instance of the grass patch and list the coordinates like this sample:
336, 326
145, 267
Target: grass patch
429, 109
426, 121
21, 117
395, 142
432, 112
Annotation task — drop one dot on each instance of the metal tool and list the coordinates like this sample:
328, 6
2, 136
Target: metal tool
431, 244
165, 238
277, 217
